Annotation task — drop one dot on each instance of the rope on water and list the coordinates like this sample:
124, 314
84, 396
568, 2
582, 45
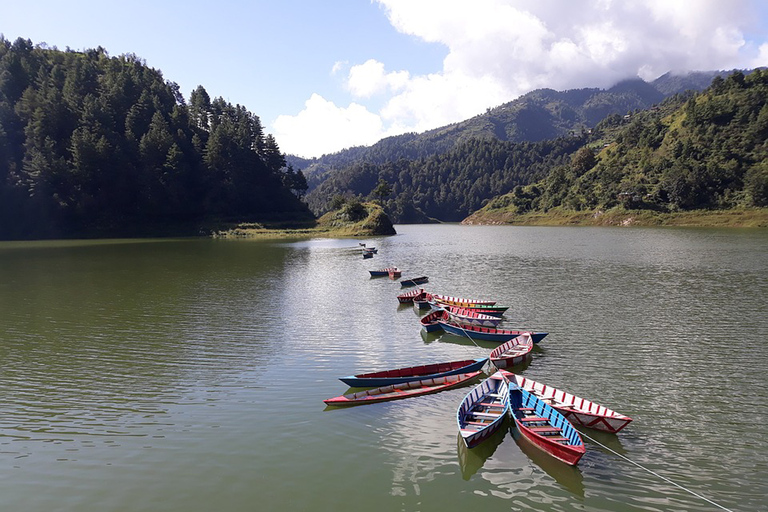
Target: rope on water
656, 474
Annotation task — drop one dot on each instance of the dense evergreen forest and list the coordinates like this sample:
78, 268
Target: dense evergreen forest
93, 145
695, 151
691, 151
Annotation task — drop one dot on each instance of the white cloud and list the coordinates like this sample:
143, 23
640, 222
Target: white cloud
369, 78
500, 49
322, 127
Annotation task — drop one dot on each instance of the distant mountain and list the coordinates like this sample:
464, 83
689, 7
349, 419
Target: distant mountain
543, 114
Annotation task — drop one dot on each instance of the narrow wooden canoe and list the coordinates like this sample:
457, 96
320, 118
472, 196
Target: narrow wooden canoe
480, 308
579, 411
459, 301
367, 255
543, 426
407, 297
487, 333
383, 272
482, 411
466, 316
372, 250
515, 351
430, 321
400, 375
405, 390
395, 272
414, 281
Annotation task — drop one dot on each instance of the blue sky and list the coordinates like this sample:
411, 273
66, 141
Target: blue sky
326, 75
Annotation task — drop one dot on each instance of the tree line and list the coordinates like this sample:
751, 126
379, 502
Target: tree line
691, 151
93, 145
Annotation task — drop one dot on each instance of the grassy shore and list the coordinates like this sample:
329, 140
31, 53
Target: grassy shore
741, 218
366, 220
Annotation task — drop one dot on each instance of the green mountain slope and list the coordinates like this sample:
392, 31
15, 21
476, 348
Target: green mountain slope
702, 151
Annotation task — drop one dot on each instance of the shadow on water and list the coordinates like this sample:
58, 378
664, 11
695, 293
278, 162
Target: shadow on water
569, 477
472, 459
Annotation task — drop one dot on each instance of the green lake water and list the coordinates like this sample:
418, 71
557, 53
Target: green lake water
189, 375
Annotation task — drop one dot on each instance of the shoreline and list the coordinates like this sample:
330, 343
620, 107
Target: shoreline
741, 218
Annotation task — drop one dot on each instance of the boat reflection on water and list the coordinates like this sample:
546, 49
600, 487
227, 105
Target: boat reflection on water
429, 337
569, 477
472, 459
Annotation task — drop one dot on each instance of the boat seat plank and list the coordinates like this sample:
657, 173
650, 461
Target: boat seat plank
534, 419
484, 414
491, 404
541, 430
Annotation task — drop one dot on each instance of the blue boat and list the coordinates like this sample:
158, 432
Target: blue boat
414, 281
542, 425
413, 373
483, 410
477, 332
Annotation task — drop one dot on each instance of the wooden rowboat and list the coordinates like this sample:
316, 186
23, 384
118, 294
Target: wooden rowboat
429, 322
483, 410
367, 255
405, 390
543, 426
459, 301
476, 332
480, 308
579, 411
414, 281
515, 351
395, 272
400, 375
407, 297
383, 272
466, 316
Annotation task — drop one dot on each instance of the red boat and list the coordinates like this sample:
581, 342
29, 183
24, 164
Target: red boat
459, 301
466, 316
405, 390
543, 426
514, 351
407, 297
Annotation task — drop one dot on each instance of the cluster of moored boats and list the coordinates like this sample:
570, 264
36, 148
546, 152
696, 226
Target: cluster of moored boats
544, 415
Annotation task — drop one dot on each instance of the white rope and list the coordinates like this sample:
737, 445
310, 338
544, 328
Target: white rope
656, 474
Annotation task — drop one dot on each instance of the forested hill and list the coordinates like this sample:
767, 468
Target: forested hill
690, 151
703, 151
542, 114
93, 145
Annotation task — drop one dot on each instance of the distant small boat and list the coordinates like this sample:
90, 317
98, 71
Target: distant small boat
465, 316
401, 375
367, 255
579, 411
477, 332
459, 301
414, 281
394, 273
515, 351
372, 250
384, 272
480, 308
405, 390
546, 428
409, 296
429, 322
482, 411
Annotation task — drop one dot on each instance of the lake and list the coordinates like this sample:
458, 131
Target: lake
189, 375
